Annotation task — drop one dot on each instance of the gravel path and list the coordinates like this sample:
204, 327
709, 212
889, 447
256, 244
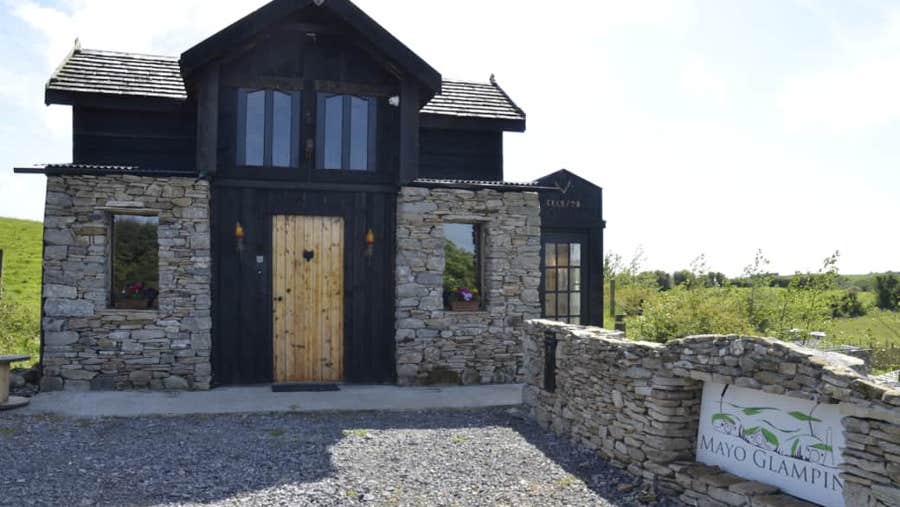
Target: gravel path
479, 457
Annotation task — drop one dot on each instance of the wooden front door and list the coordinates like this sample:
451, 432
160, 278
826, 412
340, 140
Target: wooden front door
308, 292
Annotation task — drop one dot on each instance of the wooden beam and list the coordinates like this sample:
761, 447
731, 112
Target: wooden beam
409, 130
208, 121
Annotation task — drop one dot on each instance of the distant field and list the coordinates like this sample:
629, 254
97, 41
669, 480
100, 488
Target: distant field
20, 299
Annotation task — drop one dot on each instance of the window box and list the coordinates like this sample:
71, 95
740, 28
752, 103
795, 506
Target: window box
465, 306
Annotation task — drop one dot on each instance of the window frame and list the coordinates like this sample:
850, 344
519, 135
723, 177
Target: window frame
346, 129
269, 122
480, 237
111, 256
584, 278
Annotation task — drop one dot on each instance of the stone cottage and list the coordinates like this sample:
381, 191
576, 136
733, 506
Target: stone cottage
299, 200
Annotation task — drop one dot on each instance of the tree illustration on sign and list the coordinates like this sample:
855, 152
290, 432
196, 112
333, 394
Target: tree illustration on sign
755, 426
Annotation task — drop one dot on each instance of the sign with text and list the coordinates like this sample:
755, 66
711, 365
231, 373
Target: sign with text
790, 443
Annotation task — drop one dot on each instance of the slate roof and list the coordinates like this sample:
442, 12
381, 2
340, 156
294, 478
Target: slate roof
130, 74
478, 100
112, 73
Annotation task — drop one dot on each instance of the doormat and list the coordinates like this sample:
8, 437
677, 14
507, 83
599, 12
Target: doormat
304, 388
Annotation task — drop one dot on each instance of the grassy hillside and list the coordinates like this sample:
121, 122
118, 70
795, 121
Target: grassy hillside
20, 299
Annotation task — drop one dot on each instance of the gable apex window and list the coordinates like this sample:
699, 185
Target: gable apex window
268, 128
346, 132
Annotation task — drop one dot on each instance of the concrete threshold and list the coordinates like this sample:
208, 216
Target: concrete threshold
261, 399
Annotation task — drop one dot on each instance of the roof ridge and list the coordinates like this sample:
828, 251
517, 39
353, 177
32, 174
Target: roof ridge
126, 53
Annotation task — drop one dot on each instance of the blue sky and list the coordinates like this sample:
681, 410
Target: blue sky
716, 127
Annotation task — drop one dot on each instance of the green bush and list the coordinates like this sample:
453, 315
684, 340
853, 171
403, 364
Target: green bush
848, 304
682, 312
20, 329
887, 290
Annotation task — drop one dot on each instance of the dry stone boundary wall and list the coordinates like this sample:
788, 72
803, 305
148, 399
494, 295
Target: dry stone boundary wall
638, 403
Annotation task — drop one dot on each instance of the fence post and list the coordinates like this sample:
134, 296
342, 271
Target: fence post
612, 296
620, 323
550, 342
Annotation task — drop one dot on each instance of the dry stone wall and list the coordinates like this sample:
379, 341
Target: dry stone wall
86, 345
437, 346
637, 404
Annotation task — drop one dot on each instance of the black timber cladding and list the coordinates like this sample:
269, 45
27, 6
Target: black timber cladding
243, 30
242, 291
572, 210
163, 140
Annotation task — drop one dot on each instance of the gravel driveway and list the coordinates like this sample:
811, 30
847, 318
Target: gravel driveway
478, 457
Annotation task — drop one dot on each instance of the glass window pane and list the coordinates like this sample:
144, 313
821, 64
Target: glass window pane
282, 109
563, 280
562, 254
550, 280
550, 254
135, 263
334, 133
575, 320
575, 303
575, 279
550, 305
462, 273
359, 134
575, 254
563, 305
254, 142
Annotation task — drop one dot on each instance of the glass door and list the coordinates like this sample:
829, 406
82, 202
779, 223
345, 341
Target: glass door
563, 279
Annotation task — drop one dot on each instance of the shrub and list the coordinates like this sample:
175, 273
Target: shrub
887, 291
847, 304
19, 328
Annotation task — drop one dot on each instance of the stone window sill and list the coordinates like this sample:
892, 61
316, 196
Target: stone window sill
126, 311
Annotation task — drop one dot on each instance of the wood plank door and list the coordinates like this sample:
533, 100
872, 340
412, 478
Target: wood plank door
308, 292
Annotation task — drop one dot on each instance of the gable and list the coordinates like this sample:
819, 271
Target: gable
397, 55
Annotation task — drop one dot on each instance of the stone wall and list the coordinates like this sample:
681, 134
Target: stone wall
637, 404
437, 346
86, 345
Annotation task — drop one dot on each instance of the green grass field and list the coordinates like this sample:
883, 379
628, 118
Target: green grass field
20, 299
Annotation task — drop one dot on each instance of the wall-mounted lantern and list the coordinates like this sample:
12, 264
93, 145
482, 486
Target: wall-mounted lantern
370, 243
239, 236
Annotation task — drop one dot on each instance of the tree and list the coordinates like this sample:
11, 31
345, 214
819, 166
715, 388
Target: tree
887, 291
683, 277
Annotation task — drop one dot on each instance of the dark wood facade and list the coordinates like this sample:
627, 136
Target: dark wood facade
461, 154
150, 139
242, 292
573, 213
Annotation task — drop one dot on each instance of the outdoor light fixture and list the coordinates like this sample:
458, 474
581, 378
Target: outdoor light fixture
239, 236
370, 243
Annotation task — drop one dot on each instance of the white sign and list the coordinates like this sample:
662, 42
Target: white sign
790, 443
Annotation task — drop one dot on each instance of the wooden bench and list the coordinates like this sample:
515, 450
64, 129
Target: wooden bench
8, 402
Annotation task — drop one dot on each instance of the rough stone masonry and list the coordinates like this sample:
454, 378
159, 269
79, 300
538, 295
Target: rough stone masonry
87, 345
438, 346
638, 404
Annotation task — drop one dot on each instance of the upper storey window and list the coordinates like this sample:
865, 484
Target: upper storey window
346, 130
268, 128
